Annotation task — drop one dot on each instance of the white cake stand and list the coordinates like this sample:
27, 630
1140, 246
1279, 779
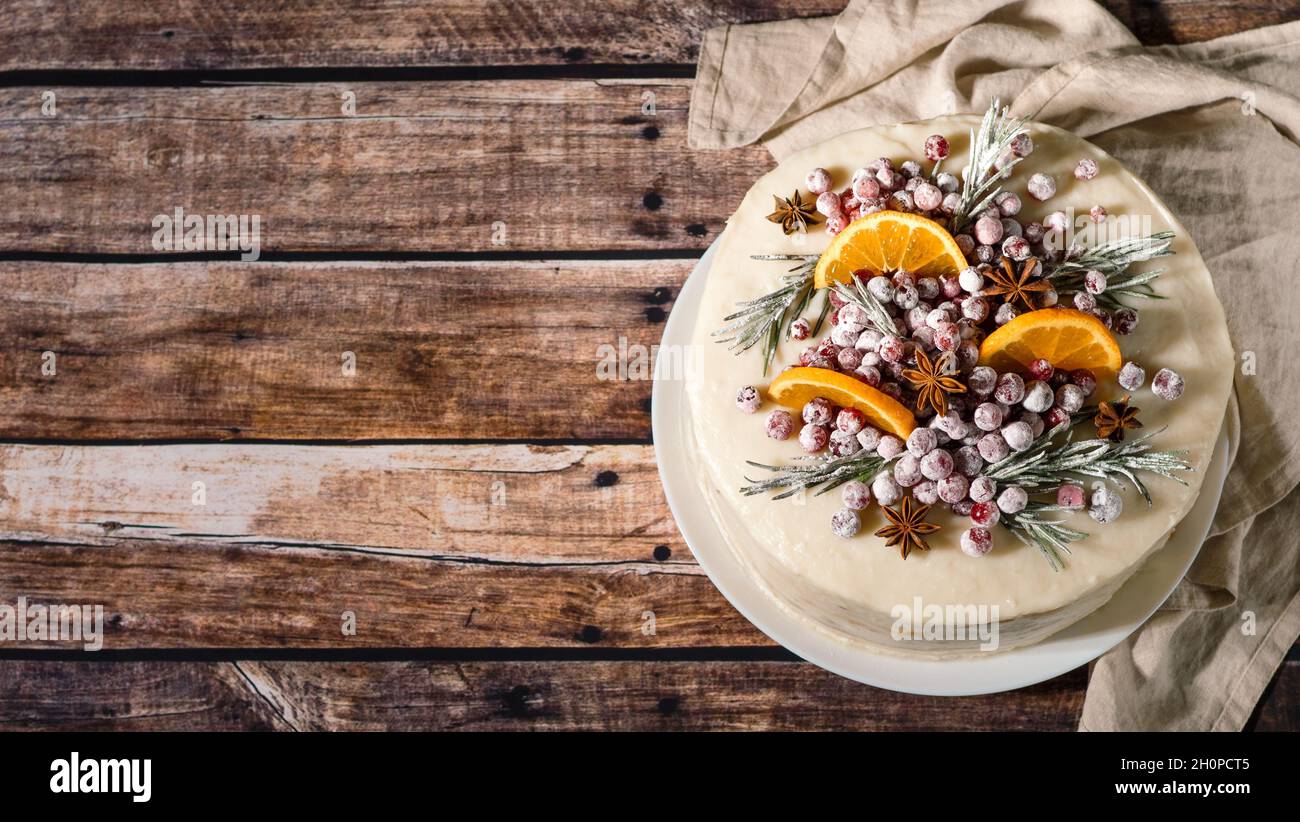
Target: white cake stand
1079, 644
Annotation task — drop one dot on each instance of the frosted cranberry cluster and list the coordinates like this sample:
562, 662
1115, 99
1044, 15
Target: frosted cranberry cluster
943, 459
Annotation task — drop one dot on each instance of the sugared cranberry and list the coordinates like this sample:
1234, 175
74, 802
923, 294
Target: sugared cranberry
884, 489
907, 471
869, 374
1008, 203
1022, 145
953, 488
988, 230
993, 448
1017, 248
1056, 415
1094, 281
1005, 314
937, 464
988, 416
985, 514
843, 444
800, 329
1086, 169
1126, 320
818, 411
748, 400
926, 492
1010, 388
1085, 379
869, 438
1132, 376
845, 523
1038, 396
828, 203
1106, 505
1018, 434
1041, 187
981, 381
813, 438
889, 447
1013, 499
1041, 369
983, 489
936, 147
850, 420
976, 542
1069, 496
818, 181
1070, 398
1085, 301
1167, 384
856, 495
1097, 214
967, 461
779, 425
927, 197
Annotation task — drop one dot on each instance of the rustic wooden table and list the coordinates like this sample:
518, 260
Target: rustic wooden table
464, 201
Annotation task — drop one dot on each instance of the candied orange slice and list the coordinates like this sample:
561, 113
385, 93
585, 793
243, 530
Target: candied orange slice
794, 387
888, 241
1064, 337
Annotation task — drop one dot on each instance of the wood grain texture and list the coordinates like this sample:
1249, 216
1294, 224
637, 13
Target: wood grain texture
784, 696
515, 166
218, 351
238, 34
447, 546
256, 34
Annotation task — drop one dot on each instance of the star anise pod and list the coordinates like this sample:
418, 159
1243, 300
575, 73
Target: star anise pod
932, 381
1012, 286
794, 213
1114, 418
907, 527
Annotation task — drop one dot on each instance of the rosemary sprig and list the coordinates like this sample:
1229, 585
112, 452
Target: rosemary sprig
855, 292
813, 471
761, 320
987, 146
1115, 256
1050, 536
1046, 465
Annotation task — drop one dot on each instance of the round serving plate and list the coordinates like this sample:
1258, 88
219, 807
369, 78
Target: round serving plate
1077, 645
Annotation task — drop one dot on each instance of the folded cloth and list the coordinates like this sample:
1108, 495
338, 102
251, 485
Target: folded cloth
1212, 127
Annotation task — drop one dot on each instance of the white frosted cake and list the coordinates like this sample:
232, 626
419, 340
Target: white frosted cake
818, 554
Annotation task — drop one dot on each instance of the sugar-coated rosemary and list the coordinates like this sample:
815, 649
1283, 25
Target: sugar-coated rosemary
813, 472
761, 320
1113, 259
1046, 465
1051, 536
987, 145
855, 292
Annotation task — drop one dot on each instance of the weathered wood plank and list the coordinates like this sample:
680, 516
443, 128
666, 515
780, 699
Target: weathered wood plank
240, 34
515, 165
229, 350
599, 506
523, 696
203, 34
212, 594
451, 546
498, 696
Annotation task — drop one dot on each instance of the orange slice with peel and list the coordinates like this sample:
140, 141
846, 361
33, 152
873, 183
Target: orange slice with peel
1066, 338
889, 241
794, 387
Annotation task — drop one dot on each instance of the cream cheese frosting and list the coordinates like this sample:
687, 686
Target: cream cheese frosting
848, 587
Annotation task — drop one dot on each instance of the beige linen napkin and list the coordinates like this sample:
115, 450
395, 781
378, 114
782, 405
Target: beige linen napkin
1212, 127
